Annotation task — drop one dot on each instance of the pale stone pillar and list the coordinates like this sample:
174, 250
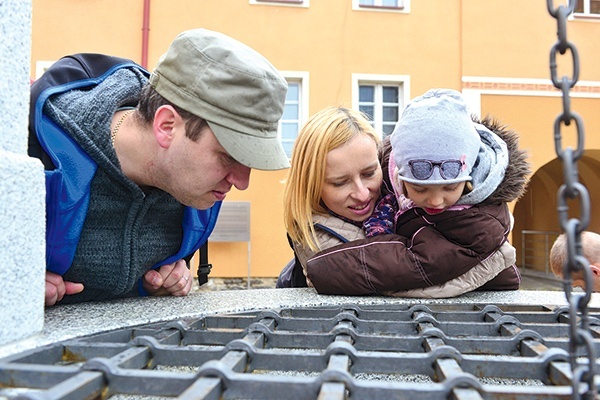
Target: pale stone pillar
22, 188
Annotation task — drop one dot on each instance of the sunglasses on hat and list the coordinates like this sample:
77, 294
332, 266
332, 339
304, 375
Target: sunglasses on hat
423, 169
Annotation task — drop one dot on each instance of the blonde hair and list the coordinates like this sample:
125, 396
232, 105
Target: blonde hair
328, 129
590, 243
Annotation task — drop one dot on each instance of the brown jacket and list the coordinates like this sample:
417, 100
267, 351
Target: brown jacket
426, 258
332, 231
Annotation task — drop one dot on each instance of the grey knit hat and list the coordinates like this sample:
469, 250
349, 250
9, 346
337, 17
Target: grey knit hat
235, 89
435, 141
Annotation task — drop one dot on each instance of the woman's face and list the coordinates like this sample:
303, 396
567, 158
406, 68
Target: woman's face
352, 179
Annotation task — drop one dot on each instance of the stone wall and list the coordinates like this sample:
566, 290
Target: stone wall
22, 188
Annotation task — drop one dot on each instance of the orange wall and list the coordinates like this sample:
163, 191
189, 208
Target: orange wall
533, 118
71, 26
269, 249
512, 38
437, 44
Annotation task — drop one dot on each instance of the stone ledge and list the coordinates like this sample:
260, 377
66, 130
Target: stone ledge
70, 321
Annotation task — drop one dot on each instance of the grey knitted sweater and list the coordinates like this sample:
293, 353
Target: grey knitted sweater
126, 230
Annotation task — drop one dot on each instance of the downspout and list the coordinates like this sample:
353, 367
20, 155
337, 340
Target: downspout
145, 33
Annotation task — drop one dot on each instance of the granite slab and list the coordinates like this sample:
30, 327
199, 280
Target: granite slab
70, 321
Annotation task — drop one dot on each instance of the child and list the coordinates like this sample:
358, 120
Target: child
452, 179
441, 162
590, 242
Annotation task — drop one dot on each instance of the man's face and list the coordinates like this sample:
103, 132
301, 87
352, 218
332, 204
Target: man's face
201, 173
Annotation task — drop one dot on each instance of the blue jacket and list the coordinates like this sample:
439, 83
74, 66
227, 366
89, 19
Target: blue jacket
69, 169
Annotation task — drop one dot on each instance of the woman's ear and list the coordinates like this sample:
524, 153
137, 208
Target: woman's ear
165, 120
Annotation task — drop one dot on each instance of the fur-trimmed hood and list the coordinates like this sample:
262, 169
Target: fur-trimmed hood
515, 180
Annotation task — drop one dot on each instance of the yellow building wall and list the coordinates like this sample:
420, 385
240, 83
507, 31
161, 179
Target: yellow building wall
461, 44
533, 118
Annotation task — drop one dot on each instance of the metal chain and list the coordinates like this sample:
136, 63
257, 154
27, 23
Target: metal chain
581, 342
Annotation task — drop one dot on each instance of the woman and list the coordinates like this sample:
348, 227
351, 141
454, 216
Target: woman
334, 185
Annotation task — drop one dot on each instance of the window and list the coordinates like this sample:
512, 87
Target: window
381, 100
588, 7
381, 5
289, 125
381, 104
293, 3
295, 109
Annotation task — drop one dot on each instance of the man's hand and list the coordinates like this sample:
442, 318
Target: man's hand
170, 279
57, 288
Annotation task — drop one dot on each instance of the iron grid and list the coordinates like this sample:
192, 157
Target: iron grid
369, 352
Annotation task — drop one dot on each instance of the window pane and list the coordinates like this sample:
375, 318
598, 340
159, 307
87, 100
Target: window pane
290, 111
287, 147
390, 114
366, 93
292, 93
594, 6
290, 120
390, 3
368, 110
289, 131
390, 94
388, 129
365, 2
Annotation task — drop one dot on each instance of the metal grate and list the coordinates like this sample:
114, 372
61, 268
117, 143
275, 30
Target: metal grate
440, 351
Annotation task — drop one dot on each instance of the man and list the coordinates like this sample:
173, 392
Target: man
590, 243
164, 152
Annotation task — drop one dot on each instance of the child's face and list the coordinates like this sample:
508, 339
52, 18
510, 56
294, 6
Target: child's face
434, 198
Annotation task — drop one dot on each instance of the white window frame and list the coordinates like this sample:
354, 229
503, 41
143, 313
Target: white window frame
301, 77
403, 7
283, 3
586, 14
403, 81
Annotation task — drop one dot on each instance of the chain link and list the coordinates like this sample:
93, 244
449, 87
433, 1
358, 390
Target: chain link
581, 341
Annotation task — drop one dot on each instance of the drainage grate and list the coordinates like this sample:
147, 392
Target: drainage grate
432, 351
